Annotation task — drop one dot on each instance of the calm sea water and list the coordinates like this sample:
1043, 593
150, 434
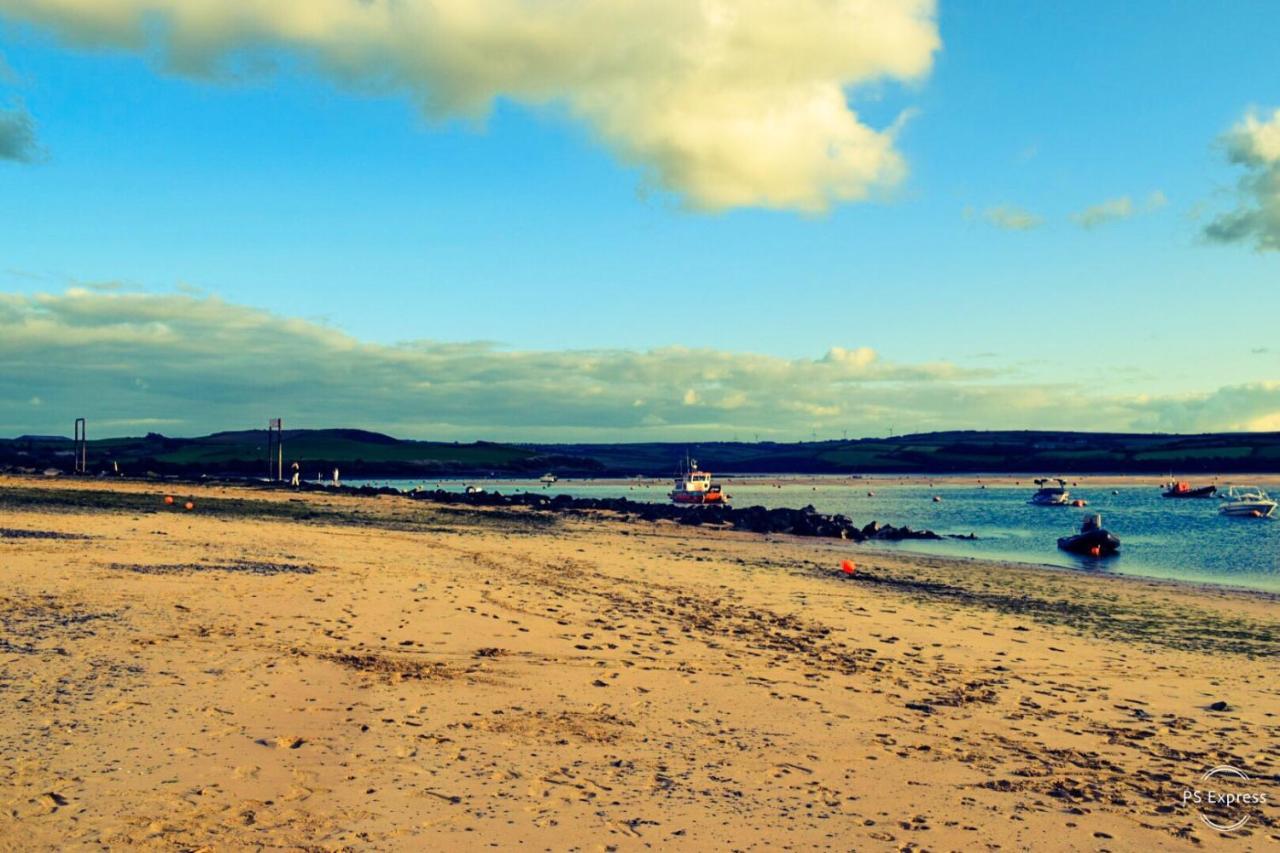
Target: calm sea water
1180, 539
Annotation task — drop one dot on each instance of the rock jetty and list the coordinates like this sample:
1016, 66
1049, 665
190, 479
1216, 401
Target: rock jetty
756, 519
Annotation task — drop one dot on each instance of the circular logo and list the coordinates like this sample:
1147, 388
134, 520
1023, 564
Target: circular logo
1221, 792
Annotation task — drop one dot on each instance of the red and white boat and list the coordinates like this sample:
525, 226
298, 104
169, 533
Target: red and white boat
695, 487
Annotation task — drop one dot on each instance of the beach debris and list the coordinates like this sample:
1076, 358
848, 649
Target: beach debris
848, 567
52, 800
17, 533
251, 567
1220, 706
921, 707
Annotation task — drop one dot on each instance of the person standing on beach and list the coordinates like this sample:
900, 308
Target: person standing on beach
297, 476
336, 482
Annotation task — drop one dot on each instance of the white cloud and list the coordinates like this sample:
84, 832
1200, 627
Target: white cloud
1253, 144
1253, 406
1118, 208
1255, 140
1107, 211
728, 102
197, 364
1012, 218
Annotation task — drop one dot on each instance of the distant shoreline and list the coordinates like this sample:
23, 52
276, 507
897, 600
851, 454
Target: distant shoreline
948, 479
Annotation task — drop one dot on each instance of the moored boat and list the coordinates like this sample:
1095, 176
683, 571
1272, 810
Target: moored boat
1092, 540
1050, 495
1247, 502
695, 487
1183, 489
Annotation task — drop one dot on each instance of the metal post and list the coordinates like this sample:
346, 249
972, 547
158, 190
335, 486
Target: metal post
81, 460
275, 442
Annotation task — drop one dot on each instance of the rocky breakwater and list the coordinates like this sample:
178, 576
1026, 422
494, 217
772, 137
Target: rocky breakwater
756, 519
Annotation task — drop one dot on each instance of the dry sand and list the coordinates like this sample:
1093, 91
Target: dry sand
330, 672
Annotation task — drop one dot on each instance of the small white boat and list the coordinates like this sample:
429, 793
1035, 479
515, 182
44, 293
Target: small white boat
1051, 495
1247, 502
548, 479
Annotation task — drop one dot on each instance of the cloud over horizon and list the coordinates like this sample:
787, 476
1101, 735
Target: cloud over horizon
729, 104
186, 364
1253, 144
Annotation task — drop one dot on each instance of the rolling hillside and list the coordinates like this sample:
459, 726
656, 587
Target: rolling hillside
360, 453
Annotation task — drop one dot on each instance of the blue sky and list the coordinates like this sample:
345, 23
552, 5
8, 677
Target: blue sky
300, 191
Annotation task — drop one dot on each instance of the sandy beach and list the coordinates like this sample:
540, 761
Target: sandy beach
332, 672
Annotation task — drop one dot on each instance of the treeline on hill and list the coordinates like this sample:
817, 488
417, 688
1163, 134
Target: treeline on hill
359, 453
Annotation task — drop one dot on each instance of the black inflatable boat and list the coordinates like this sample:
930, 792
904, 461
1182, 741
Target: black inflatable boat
1092, 540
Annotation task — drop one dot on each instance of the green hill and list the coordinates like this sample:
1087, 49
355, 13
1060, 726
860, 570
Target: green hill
361, 453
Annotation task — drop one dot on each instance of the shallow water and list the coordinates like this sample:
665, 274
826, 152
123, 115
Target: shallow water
1181, 539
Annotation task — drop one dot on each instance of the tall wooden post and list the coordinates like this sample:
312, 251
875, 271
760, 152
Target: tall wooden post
81, 460
275, 448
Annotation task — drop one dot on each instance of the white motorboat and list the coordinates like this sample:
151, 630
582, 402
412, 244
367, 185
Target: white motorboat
1247, 502
548, 479
1049, 495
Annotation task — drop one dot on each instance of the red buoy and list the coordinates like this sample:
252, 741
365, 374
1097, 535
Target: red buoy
168, 500
190, 505
848, 567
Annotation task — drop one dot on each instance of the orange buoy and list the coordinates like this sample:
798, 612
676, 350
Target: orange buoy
190, 505
168, 500
1256, 513
1095, 551
848, 567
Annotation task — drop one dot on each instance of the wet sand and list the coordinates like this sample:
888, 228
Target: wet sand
333, 672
